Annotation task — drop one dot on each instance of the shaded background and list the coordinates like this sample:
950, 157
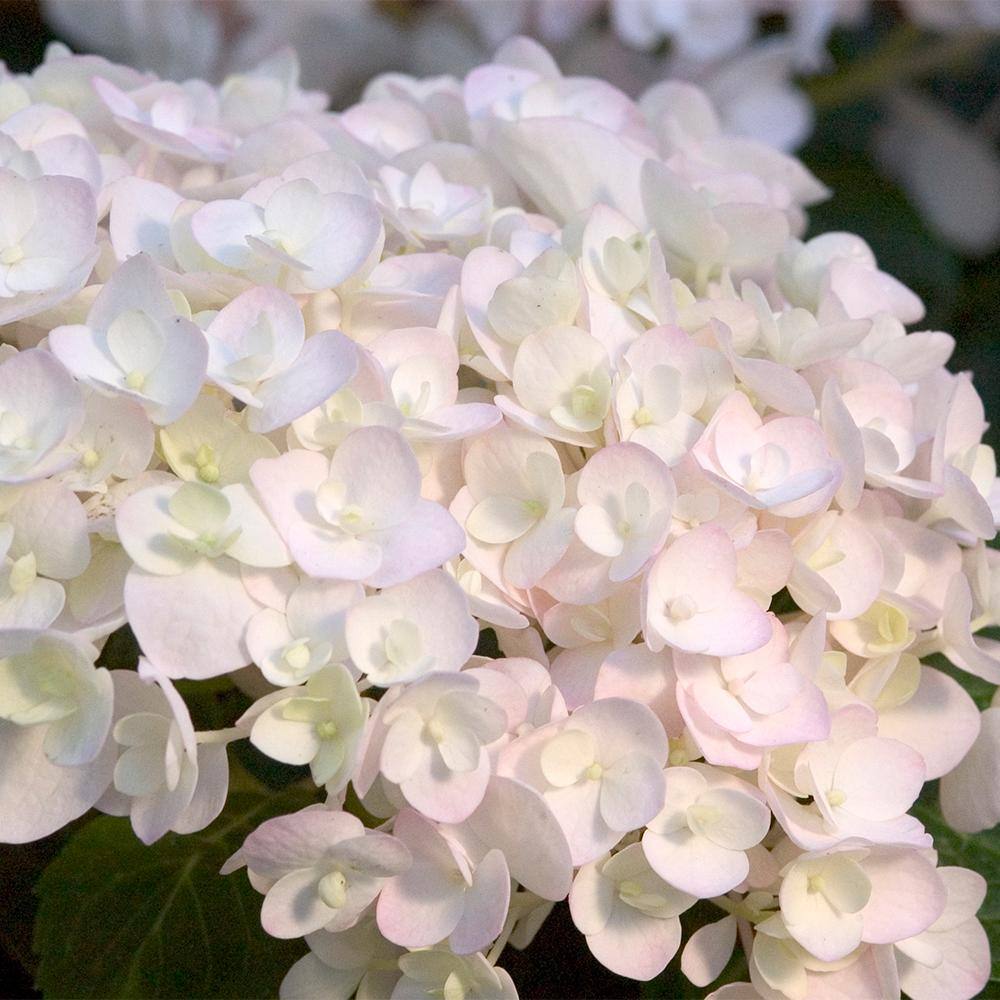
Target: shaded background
960, 75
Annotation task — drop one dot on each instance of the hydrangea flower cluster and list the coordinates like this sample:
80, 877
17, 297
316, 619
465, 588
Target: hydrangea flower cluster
330, 394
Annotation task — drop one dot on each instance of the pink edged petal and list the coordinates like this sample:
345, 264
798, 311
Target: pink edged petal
335, 258
737, 627
532, 555
444, 795
872, 974
636, 673
297, 840
771, 689
210, 792
136, 284
486, 903
632, 792
610, 470
375, 854
327, 362
940, 722
194, 624
436, 604
325, 555
694, 864
620, 727
397, 759
966, 892
881, 794
575, 673
778, 386
864, 291
579, 577
258, 544
234, 329
427, 538
424, 904
907, 895
592, 899
421, 907
720, 705
463, 420
380, 473
68, 233
312, 979
515, 819
28, 304
969, 804
287, 485
742, 818
708, 951
38, 797
141, 213
964, 969
292, 907
567, 165
50, 521
37, 387
483, 271
700, 564
221, 228
716, 744
805, 720
176, 381
635, 945
846, 445
577, 809
81, 350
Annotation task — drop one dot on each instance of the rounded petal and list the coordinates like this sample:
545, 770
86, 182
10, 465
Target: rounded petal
38, 797
694, 864
632, 791
293, 908
193, 624
515, 819
486, 904
635, 945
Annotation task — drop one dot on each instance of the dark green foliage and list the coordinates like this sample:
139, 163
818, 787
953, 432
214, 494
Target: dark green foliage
119, 919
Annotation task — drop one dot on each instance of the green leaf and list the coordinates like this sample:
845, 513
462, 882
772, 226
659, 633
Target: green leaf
119, 919
980, 852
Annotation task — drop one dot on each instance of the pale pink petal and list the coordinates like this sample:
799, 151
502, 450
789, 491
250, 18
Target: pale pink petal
515, 819
292, 907
193, 624
635, 945
708, 951
694, 864
631, 791
486, 903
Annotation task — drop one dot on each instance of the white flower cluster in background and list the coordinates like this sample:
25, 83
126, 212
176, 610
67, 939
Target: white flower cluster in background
329, 394
750, 56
